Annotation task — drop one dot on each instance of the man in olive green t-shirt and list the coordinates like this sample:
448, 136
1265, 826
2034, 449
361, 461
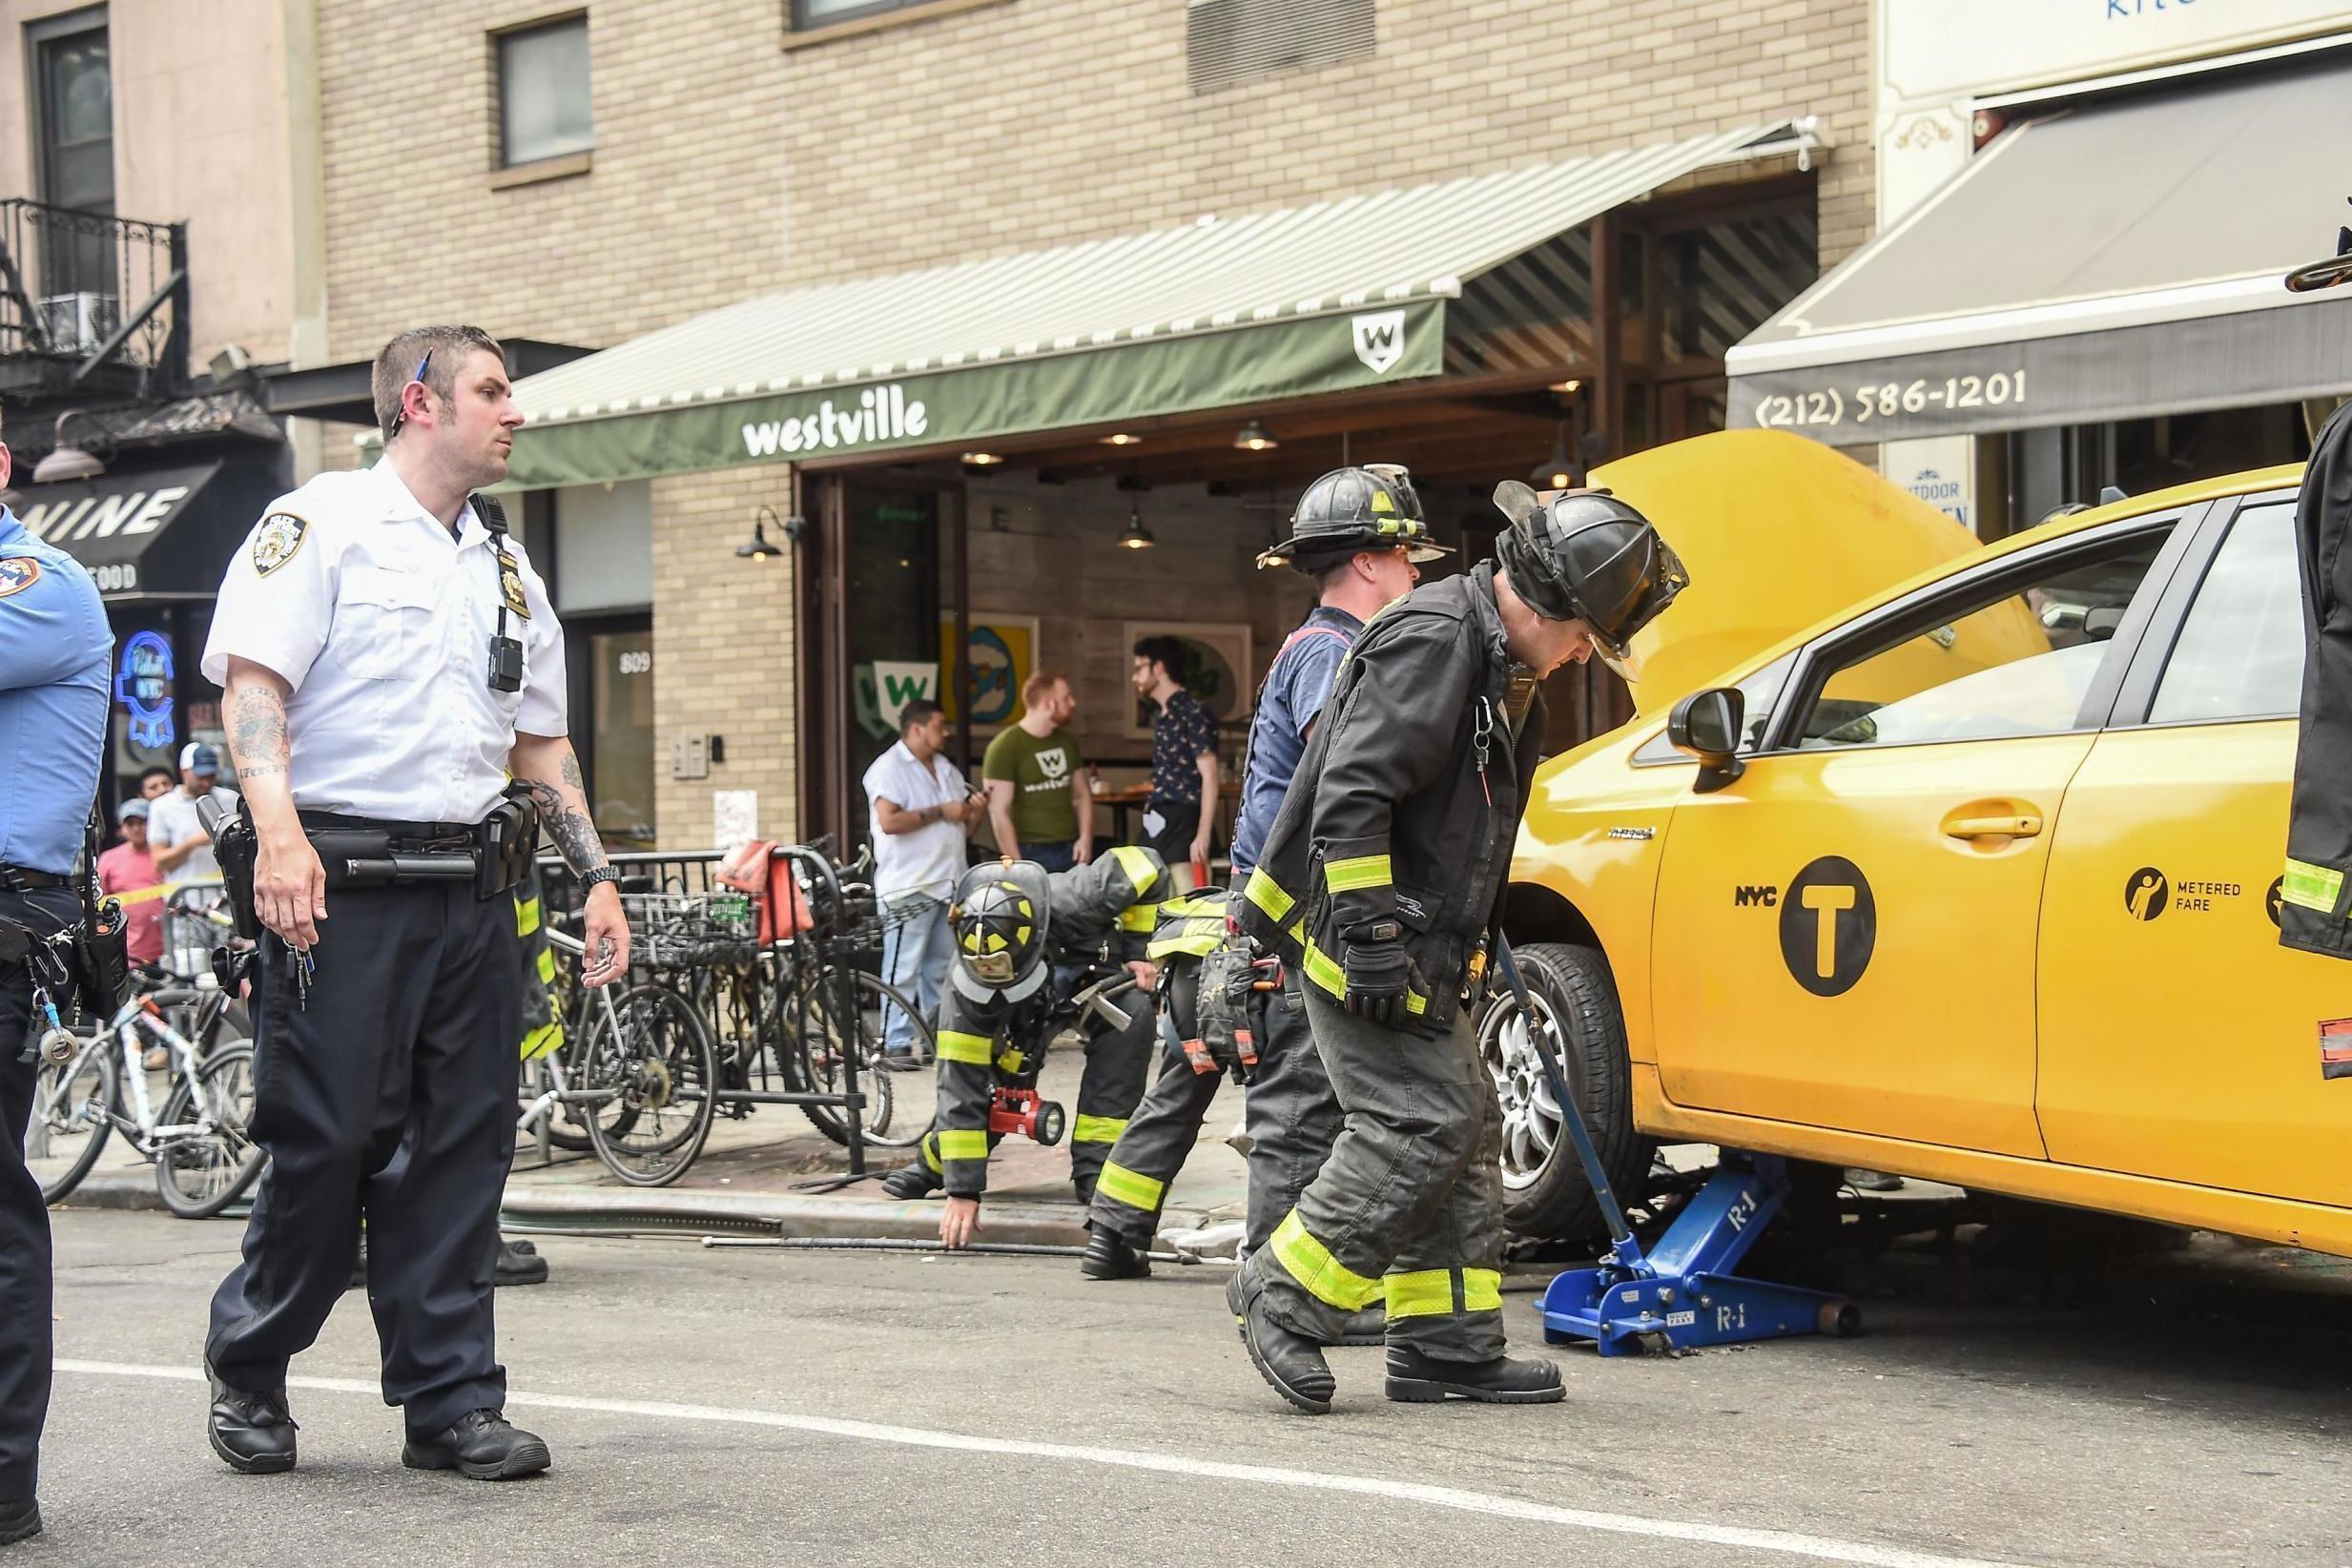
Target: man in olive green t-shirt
1038, 800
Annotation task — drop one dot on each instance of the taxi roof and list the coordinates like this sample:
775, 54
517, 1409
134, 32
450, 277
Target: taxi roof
2249, 482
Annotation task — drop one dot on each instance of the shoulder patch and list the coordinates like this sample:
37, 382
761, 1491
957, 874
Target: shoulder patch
275, 542
17, 573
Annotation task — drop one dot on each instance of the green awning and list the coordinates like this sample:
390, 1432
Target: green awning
1223, 313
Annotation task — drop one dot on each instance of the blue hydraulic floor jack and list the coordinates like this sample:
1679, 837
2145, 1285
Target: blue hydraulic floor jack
1681, 1296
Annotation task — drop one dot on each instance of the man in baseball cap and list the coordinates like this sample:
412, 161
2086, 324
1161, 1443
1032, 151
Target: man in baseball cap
175, 836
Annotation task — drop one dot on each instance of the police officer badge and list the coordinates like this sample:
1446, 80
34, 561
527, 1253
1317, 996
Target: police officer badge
17, 573
276, 541
510, 583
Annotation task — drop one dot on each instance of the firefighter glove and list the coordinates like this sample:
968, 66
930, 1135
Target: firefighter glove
1379, 973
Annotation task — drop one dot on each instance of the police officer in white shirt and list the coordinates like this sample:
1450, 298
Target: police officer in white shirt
922, 810
389, 658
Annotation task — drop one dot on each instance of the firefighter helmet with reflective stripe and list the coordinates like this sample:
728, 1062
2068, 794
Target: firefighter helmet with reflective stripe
1584, 555
1000, 921
1369, 508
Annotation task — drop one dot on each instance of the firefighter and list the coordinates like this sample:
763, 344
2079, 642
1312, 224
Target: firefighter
1014, 926
1382, 880
1360, 534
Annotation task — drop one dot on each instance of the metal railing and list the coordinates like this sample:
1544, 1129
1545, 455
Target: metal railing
90, 289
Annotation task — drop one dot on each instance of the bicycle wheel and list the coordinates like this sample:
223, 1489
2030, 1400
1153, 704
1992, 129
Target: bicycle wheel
819, 1042
657, 1073
204, 1173
567, 1124
69, 1121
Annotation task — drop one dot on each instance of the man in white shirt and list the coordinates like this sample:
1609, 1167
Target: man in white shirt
182, 850
923, 813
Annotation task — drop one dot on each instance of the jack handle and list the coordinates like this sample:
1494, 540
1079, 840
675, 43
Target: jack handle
1627, 1249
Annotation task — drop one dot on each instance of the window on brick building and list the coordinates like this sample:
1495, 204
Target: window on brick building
543, 92
819, 14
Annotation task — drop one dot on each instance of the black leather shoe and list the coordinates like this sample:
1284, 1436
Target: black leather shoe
1365, 1326
1109, 1257
908, 1182
484, 1445
1424, 1381
1292, 1364
519, 1263
19, 1520
254, 1432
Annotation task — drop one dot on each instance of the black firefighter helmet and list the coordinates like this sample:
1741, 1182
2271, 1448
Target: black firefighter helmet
1000, 921
1369, 508
1584, 555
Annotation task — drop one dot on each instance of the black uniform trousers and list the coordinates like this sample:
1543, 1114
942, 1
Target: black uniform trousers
410, 1035
24, 1275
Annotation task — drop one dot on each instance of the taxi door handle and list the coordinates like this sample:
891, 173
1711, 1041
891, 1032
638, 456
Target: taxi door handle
2015, 825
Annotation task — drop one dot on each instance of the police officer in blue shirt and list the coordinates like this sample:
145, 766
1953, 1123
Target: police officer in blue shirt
389, 659
54, 652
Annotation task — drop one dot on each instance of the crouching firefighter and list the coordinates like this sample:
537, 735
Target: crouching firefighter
1212, 1006
1382, 880
1014, 926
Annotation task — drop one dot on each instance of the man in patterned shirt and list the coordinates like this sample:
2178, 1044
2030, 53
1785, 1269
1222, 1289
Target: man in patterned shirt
1182, 809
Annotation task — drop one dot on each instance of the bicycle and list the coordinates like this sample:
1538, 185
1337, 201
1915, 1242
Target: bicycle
204, 1157
640, 1067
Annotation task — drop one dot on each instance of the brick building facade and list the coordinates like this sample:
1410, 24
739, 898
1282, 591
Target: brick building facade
734, 157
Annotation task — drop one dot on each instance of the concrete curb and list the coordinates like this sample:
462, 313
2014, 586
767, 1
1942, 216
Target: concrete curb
134, 1189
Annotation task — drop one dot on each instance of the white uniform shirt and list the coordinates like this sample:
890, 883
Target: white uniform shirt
359, 598
173, 820
930, 859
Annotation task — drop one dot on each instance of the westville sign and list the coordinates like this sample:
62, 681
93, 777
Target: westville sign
1237, 366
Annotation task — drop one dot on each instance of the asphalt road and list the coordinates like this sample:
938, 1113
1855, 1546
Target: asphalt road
740, 1407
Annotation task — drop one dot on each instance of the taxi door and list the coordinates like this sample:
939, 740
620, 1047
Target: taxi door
2179, 1040
1846, 934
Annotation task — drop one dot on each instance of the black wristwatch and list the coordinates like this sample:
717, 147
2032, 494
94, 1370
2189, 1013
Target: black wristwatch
602, 873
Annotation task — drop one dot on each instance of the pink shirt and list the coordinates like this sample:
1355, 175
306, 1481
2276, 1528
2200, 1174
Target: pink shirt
123, 869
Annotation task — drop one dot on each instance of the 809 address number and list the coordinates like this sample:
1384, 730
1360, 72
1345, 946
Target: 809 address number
2003, 388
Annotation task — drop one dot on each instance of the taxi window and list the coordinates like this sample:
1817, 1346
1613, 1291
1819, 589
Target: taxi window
1762, 692
2019, 660
2240, 650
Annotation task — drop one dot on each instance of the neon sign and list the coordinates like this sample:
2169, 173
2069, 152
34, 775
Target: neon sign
143, 686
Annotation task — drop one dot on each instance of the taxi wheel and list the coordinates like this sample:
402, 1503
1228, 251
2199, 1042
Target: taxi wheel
1545, 1192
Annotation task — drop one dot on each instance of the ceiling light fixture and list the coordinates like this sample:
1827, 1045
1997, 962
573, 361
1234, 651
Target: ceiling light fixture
1122, 439
982, 460
1556, 472
1568, 385
1253, 438
1137, 537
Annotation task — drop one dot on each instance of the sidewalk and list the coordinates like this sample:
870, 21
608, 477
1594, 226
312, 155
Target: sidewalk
751, 1177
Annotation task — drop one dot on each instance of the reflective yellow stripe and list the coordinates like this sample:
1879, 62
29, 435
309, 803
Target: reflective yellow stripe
1137, 864
2312, 887
1098, 1129
1188, 945
931, 1152
957, 1046
1267, 894
1010, 1062
1318, 1273
1354, 875
1428, 1293
525, 916
1481, 1291
1189, 908
1139, 917
544, 1041
547, 964
1130, 1187
962, 1145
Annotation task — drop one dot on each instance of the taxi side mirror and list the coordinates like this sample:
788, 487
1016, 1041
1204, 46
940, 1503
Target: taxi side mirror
1706, 724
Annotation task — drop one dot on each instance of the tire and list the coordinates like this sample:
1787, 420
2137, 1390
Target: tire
889, 1121
199, 1177
662, 1074
79, 1134
1545, 1192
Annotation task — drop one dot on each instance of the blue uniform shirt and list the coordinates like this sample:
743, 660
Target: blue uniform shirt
54, 654
1294, 692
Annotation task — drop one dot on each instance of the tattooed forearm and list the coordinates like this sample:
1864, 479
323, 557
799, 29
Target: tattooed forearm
550, 772
257, 732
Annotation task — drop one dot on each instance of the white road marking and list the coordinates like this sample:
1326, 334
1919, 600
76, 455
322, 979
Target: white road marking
1789, 1543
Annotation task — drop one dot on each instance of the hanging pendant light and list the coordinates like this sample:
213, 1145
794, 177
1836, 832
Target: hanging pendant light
1556, 472
1137, 537
1252, 438
759, 550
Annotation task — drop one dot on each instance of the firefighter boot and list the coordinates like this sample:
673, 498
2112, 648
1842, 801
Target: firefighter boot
909, 1182
1365, 1326
1109, 1257
1506, 1380
1292, 1364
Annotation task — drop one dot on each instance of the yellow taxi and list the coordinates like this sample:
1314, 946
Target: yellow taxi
1977, 878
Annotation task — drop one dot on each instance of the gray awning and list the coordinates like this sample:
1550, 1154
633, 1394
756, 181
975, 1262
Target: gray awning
2107, 261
